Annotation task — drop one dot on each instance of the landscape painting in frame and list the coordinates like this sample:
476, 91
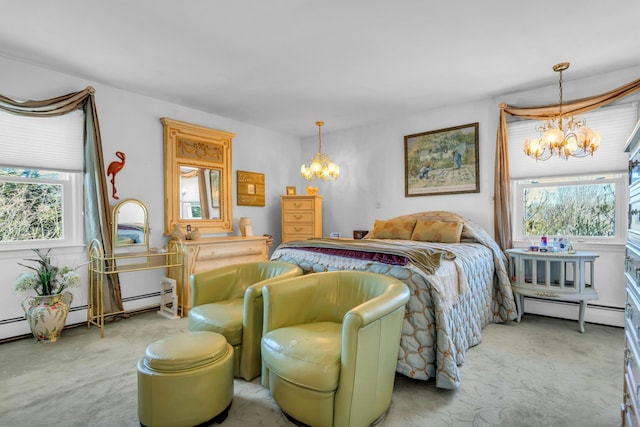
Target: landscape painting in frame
443, 161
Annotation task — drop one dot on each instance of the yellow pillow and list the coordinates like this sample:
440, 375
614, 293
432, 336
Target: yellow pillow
393, 229
437, 231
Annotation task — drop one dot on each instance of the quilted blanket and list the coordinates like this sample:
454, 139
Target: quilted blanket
449, 305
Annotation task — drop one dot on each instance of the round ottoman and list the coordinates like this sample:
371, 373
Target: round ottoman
185, 380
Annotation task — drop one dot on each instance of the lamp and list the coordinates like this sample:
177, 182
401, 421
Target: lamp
562, 136
320, 166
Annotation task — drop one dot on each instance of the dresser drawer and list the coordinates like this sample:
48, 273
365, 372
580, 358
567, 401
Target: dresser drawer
632, 265
293, 216
297, 204
634, 218
228, 250
632, 318
630, 403
302, 229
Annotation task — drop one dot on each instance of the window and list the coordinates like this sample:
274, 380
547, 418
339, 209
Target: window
584, 199
41, 192
586, 208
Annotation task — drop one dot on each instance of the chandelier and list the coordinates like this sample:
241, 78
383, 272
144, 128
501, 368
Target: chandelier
562, 136
320, 166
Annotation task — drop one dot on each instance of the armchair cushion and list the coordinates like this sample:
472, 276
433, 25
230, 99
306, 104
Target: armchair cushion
223, 317
291, 350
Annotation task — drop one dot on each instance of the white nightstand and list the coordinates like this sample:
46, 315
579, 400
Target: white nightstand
553, 275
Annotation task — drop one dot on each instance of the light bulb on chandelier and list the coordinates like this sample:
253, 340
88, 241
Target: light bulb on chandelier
320, 166
562, 136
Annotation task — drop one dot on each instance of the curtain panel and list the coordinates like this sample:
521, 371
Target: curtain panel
502, 186
97, 212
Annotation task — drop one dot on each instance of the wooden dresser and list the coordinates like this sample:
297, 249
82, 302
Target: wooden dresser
630, 408
208, 253
301, 217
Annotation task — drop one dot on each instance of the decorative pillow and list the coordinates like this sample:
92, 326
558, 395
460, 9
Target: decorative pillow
392, 229
437, 231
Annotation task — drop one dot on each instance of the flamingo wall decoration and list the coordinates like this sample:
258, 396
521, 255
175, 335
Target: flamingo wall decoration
113, 169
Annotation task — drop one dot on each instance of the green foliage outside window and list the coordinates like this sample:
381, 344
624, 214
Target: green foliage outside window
570, 210
29, 210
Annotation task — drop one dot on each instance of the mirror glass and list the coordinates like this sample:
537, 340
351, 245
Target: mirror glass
199, 193
197, 178
130, 223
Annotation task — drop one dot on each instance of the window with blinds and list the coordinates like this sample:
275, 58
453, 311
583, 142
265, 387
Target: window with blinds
580, 198
41, 164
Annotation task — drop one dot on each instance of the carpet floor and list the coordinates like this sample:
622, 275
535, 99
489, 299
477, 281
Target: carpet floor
539, 372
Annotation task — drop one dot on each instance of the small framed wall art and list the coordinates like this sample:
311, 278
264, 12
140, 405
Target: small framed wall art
250, 188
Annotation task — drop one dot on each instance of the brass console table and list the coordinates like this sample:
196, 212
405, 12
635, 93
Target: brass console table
101, 265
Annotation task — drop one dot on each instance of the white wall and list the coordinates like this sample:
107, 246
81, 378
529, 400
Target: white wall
371, 159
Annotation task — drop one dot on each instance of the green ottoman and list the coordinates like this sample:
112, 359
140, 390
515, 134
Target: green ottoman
185, 380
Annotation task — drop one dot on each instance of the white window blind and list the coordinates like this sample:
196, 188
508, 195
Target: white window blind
614, 123
42, 142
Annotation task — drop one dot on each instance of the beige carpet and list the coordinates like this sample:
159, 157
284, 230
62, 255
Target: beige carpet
540, 372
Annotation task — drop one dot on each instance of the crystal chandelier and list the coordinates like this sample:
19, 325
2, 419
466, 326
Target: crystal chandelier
562, 136
320, 166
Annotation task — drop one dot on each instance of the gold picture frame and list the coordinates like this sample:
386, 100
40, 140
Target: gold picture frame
291, 190
250, 188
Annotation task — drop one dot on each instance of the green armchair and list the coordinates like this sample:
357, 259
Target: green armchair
330, 345
228, 300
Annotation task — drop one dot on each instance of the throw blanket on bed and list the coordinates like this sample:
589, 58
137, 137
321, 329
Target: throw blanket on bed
401, 252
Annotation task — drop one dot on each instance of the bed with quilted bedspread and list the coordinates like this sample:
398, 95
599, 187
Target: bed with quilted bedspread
456, 288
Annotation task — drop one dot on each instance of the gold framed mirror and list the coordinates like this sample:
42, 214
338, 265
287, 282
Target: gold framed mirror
130, 224
197, 178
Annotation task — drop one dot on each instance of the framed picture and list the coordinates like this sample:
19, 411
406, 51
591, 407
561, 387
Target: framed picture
250, 188
291, 190
443, 161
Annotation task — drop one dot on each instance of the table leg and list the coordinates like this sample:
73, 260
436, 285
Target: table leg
519, 306
583, 308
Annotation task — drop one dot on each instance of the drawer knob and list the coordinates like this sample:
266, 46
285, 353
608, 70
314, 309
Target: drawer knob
298, 228
297, 205
297, 216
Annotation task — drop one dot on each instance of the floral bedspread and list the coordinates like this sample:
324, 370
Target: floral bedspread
447, 309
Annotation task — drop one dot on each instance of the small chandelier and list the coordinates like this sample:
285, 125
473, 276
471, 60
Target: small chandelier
562, 136
320, 166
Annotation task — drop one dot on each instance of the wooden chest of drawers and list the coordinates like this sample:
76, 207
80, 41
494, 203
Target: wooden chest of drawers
630, 408
301, 217
209, 253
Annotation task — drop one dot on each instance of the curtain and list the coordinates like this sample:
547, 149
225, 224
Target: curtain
502, 190
97, 212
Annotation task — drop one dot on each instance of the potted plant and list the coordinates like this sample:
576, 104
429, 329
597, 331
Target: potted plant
47, 311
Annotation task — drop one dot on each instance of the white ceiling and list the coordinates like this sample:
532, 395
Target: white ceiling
283, 64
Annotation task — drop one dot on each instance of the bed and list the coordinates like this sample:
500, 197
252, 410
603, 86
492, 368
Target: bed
455, 271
